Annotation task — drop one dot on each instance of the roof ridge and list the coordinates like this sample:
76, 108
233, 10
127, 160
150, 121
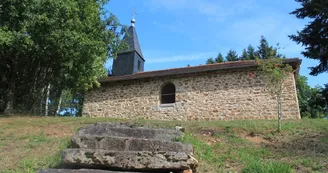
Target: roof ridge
197, 66
295, 62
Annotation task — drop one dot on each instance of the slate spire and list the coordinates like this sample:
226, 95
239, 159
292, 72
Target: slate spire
129, 61
131, 39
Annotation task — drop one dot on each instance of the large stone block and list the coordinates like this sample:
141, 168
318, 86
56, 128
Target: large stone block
128, 144
82, 171
121, 130
128, 160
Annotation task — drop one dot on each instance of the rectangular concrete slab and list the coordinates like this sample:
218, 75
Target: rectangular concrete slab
128, 160
121, 130
128, 144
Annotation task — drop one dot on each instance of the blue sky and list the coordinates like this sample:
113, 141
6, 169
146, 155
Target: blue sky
174, 33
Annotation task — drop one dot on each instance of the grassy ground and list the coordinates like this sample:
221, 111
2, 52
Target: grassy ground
30, 143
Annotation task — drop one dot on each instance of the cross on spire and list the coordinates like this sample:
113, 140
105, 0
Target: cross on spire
134, 13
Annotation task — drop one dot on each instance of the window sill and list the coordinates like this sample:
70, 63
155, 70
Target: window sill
167, 106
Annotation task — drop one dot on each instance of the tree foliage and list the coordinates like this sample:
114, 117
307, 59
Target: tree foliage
265, 51
64, 43
312, 101
232, 56
314, 35
251, 52
244, 55
218, 59
210, 61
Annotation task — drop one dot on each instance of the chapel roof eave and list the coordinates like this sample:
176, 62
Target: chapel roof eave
294, 62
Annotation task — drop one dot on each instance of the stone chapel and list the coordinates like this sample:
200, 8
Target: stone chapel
222, 91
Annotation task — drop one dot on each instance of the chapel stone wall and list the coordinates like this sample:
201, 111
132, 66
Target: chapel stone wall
218, 95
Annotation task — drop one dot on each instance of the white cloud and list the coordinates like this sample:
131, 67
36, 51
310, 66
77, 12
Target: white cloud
180, 58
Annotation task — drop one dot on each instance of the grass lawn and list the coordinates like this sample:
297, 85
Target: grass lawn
30, 143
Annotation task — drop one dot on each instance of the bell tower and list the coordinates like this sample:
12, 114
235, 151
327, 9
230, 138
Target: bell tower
129, 61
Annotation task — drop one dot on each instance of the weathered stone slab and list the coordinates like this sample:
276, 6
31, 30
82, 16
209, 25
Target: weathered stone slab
82, 171
128, 160
123, 130
128, 144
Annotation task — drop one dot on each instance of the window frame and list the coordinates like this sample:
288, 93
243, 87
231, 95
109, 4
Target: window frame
170, 97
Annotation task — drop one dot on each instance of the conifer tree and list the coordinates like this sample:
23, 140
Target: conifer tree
232, 56
244, 55
263, 48
210, 61
315, 34
219, 58
251, 52
265, 51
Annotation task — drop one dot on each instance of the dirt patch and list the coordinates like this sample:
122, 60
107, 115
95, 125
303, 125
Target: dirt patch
210, 132
253, 138
256, 140
211, 136
307, 144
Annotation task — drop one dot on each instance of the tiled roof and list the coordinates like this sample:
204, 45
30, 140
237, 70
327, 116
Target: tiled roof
294, 62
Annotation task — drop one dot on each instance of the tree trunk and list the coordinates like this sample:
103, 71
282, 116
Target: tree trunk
41, 104
10, 102
59, 104
279, 115
11, 90
47, 101
279, 106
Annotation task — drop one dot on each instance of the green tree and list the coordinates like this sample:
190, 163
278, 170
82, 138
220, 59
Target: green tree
265, 51
219, 58
210, 61
315, 34
244, 55
232, 56
325, 95
251, 52
304, 93
312, 101
263, 48
62, 43
275, 72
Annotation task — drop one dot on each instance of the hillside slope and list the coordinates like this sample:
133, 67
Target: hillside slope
29, 143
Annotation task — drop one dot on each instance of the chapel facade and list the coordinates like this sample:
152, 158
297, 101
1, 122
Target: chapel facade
222, 91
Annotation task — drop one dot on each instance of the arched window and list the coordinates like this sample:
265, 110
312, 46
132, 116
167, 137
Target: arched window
168, 93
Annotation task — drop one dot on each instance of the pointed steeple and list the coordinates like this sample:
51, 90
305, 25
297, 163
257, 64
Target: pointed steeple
129, 61
131, 39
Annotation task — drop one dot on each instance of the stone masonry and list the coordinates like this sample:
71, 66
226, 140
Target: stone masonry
212, 95
111, 147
